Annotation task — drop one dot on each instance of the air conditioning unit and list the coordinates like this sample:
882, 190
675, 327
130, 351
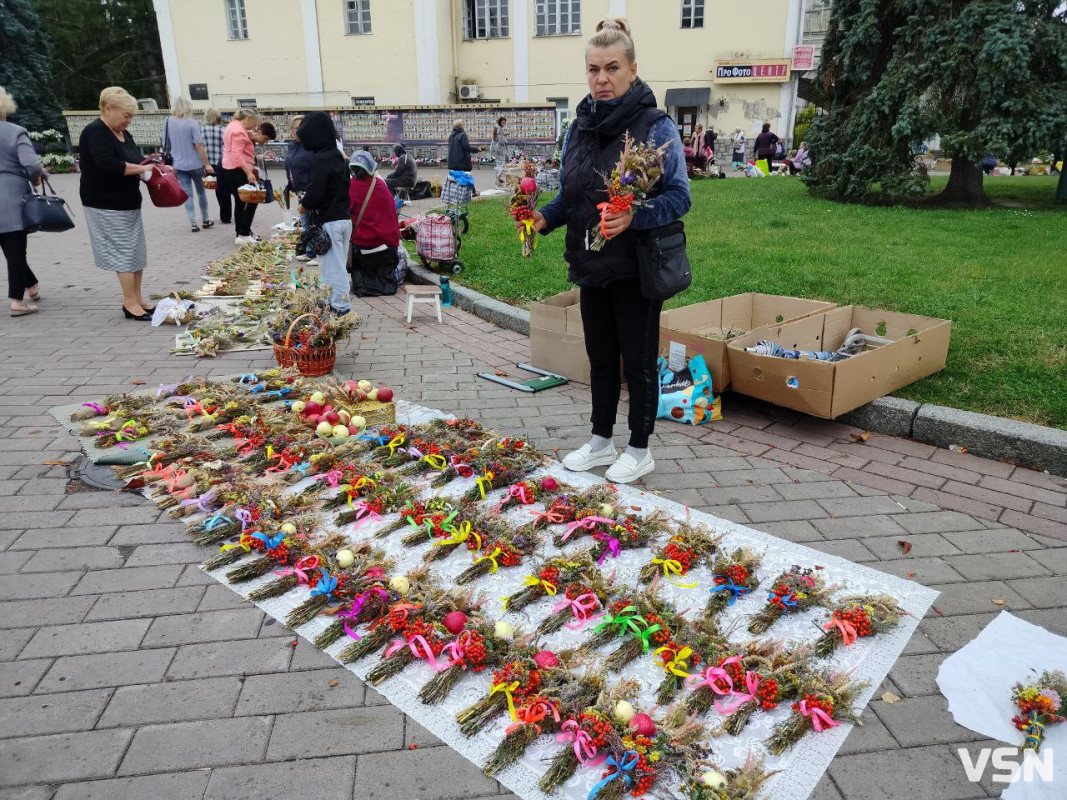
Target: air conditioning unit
468, 91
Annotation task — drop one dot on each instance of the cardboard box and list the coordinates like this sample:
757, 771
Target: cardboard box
919, 347
691, 325
557, 342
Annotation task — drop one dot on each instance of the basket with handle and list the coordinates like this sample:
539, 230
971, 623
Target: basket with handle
310, 361
251, 195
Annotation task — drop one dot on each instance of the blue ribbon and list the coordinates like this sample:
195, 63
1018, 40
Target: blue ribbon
326, 585
381, 440
249, 377
304, 467
629, 761
218, 518
259, 387
270, 541
280, 393
735, 591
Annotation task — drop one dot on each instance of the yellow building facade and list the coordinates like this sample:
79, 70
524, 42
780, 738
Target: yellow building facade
393, 53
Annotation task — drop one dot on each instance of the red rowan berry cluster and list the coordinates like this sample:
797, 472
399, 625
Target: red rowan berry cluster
676, 551
767, 694
857, 617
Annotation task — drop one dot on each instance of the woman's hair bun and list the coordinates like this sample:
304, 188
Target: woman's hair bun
614, 23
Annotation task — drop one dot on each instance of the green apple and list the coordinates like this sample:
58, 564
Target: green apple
298, 406
340, 432
324, 429
318, 397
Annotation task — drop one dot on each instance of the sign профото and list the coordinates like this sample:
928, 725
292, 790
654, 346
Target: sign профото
803, 57
756, 70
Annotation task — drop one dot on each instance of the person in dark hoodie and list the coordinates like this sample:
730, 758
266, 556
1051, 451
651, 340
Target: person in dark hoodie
326, 200
297, 172
617, 319
406, 172
460, 149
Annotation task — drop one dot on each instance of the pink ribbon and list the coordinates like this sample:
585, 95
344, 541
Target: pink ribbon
614, 546
160, 472
463, 470
364, 512
521, 493
414, 643
550, 517
584, 749
586, 523
307, 562
820, 720
534, 713
284, 463
712, 675
96, 407
580, 607
357, 607
333, 477
457, 649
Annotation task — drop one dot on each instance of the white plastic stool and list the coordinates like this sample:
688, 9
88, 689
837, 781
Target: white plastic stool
424, 294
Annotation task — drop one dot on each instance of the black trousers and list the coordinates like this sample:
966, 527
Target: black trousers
222, 195
620, 322
243, 213
19, 275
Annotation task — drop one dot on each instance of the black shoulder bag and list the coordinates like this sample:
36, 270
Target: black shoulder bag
41, 212
168, 159
662, 262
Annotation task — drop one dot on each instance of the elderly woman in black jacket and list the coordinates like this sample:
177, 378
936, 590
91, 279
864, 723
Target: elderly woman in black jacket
406, 172
326, 200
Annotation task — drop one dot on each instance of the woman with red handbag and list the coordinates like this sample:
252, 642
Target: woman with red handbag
111, 174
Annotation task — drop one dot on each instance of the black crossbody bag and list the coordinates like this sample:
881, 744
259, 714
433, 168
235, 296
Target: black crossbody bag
662, 262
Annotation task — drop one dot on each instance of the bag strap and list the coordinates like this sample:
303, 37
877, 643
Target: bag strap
166, 137
366, 202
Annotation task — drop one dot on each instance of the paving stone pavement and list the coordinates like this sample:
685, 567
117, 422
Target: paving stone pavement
125, 672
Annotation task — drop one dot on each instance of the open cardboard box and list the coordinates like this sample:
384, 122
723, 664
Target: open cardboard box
918, 347
557, 342
691, 326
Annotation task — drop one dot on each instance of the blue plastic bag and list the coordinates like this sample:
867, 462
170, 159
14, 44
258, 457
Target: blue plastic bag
686, 395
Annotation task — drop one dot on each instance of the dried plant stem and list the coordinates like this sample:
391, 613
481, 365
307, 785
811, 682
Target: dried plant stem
253, 569
390, 666
827, 643
598, 639
415, 538
668, 689
390, 529
274, 588
306, 611
220, 560
474, 571
440, 685
525, 596
787, 733
700, 700
219, 533
764, 619
627, 652
560, 770
372, 642
440, 552
474, 718
510, 750
738, 721
334, 631
555, 621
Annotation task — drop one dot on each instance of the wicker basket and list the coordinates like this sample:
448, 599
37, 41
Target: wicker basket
210, 182
252, 195
310, 361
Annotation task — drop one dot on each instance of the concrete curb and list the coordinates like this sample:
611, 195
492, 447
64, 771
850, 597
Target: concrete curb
981, 434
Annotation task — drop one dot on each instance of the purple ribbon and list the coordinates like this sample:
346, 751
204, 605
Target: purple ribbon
201, 502
165, 388
95, 407
244, 517
613, 546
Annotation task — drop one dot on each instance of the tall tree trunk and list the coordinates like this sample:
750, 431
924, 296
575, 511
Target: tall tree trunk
964, 189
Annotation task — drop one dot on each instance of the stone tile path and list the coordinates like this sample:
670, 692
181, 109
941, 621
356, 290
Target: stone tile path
124, 672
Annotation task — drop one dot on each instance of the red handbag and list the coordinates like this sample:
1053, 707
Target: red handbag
163, 186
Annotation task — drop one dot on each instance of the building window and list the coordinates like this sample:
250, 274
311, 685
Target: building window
692, 13
236, 21
357, 16
485, 19
558, 17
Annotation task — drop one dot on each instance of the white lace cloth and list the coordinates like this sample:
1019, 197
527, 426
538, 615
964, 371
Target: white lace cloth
801, 767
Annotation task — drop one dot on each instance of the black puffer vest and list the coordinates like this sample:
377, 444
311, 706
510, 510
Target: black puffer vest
594, 145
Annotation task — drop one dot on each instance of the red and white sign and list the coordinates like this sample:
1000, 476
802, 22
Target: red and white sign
803, 57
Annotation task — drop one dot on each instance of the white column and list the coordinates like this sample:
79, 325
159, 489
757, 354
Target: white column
427, 57
617, 8
520, 38
787, 97
309, 20
169, 48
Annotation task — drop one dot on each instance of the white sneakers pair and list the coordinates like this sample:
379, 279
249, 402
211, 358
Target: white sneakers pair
622, 469
247, 239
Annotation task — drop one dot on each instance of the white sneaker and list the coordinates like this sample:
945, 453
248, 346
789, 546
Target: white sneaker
628, 469
314, 262
584, 459
243, 240
301, 257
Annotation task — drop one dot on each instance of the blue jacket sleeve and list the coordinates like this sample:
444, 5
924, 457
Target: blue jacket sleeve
674, 199
555, 211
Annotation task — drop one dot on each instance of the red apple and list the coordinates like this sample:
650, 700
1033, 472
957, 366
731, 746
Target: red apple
546, 659
642, 724
313, 408
454, 621
353, 430
332, 417
385, 394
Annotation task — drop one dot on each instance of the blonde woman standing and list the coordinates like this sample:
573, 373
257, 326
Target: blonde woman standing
184, 138
619, 322
239, 168
111, 174
19, 165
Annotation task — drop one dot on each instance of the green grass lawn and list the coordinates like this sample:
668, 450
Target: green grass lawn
1000, 275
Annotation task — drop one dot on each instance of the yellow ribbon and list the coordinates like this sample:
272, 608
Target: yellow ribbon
361, 482
435, 461
461, 535
395, 443
240, 544
533, 580
527, 231
485, 480
671, 565
507, 689
679, 663
492, 558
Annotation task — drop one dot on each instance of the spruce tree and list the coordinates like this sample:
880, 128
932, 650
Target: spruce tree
987, 76
26, 67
